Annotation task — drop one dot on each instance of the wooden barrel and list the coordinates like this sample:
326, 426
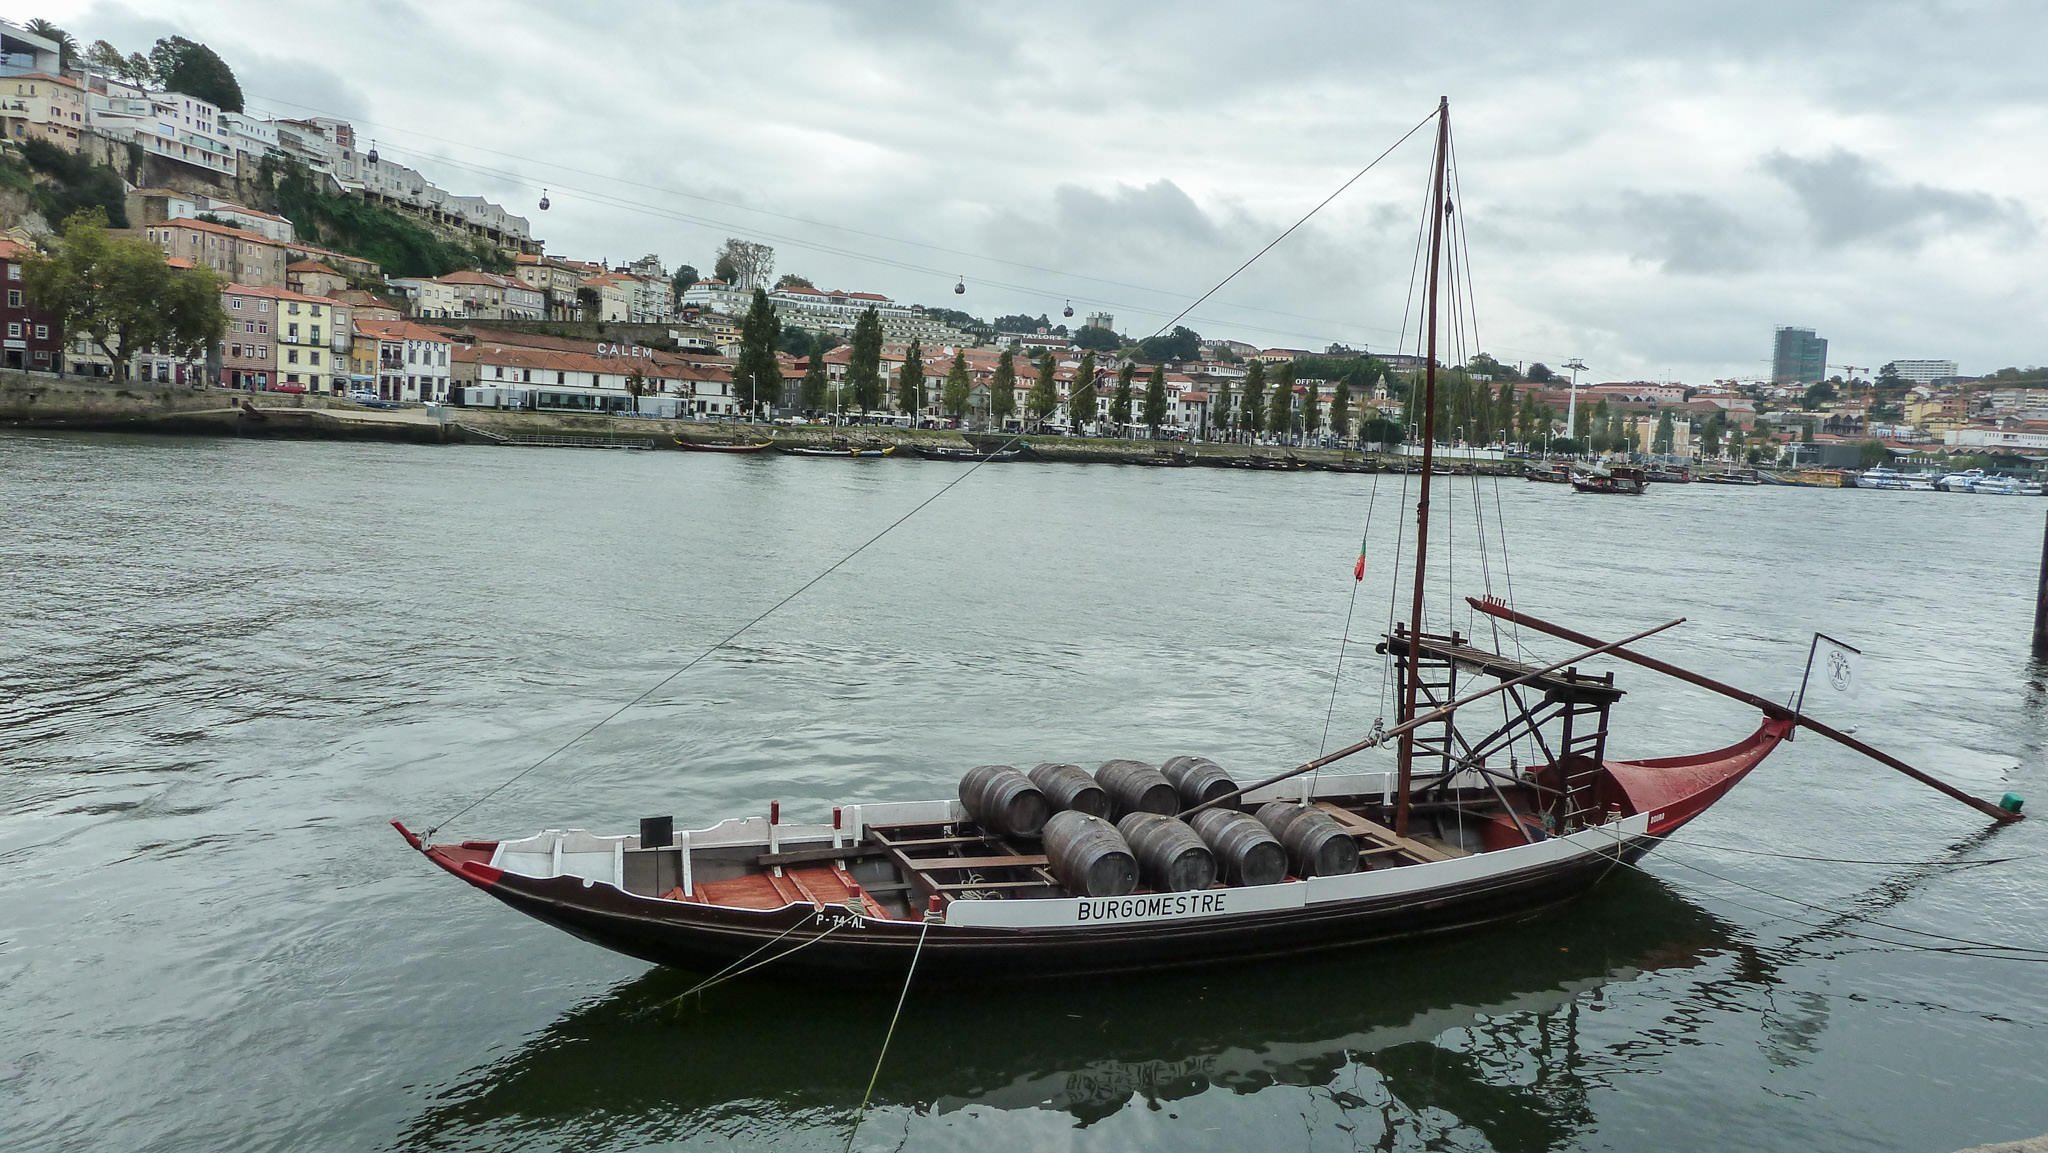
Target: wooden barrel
1247, 852
1070, 787
1171, 858
1089, 856
1197, 779
1136, 787
1004, 801
1317, 846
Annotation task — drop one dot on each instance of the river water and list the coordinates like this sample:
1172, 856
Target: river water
227, 664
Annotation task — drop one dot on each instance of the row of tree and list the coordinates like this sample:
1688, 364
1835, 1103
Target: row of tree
173, 64
119, 293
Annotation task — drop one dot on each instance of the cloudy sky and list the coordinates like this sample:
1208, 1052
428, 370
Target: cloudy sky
1651, 186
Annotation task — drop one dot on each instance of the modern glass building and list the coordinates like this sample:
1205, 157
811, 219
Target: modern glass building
1798, 357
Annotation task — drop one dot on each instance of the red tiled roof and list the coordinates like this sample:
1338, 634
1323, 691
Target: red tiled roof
277, 294
310, 266
12, 249
217, 230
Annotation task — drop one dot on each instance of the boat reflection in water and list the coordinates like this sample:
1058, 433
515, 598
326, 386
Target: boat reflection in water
1475, 1036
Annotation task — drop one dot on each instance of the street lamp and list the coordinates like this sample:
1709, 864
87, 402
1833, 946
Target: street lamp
1571, 405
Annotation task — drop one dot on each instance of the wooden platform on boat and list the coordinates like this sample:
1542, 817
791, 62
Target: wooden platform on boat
1566, 685
1383, 841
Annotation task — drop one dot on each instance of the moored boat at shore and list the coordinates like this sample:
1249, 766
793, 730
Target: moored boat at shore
1892, 480
1806, 478
714, 446
1619, 480
854, 451
1742, 476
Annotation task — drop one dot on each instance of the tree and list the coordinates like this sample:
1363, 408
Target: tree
1582, 426
811, 392
103, 56
1081, 405
757, 376
1526, 420
792, 280
910, 381
119, 293
1183, 343
1219, 409
1483, 364
864, 369
1665, 434
1002, 393
682, 280
1280, 409
636, 383
1340, 410
959, 386
1504, 413
67, 44
1311, 415
1120, 401
1710, 435
1096, 339
1155, 399
724, 269
1815, 394
186, 66
750, 263
1045, 392
1539, 373
1251, 412
74, 184
589, 303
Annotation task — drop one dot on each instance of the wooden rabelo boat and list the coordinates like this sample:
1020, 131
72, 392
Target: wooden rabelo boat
714, 446
844, 450
1024, 875
970, 455
1620, 480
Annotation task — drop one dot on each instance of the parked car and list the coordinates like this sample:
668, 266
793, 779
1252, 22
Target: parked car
287, 388
361, 395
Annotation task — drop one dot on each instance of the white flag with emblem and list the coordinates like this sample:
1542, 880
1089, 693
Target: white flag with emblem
1833, 678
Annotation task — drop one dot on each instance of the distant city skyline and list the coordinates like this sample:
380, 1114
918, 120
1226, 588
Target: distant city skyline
1729, 169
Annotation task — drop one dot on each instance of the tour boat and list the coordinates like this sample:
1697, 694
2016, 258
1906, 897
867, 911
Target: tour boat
967, 454
1743, 476
1142, 865
2006, 486
1891, 480
707, 446
1669, 474
1807, 478
1553, 473
1620, 480
1960, 481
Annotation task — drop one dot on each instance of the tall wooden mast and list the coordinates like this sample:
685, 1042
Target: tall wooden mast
1406, 759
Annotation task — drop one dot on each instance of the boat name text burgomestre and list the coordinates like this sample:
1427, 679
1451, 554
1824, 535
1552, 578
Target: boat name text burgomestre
1162, 905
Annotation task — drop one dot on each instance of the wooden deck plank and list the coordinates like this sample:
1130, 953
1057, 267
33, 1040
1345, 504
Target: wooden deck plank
939, 864
1375, 831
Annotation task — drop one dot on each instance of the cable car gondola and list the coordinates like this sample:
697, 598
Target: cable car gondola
543, 200
372, 157
960, 288
1070, 309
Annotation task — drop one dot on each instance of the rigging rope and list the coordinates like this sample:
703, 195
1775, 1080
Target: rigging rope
1164, 328
861, 1113
1344, 642
728, 973
730, 637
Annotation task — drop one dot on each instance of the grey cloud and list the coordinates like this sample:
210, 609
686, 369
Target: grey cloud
1848, 199
1689, 233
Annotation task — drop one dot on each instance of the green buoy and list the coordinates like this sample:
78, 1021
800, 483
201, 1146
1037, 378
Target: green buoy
2011, 802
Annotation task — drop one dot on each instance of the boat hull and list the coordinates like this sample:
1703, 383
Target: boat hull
706, 939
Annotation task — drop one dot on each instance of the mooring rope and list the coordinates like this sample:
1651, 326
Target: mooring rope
861, 1113
728, 973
